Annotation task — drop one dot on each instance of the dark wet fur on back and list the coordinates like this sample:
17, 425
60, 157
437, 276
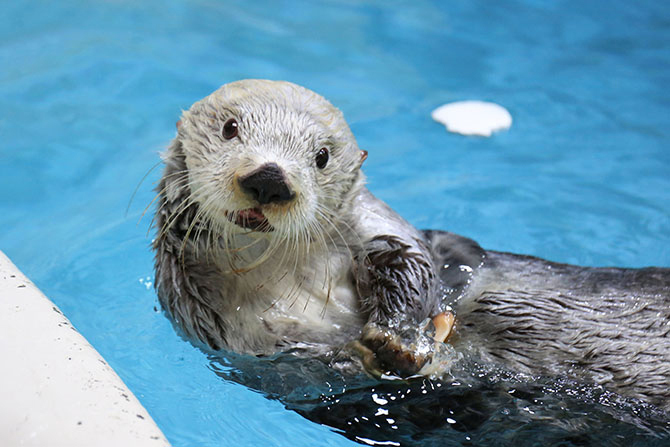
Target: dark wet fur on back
609, 326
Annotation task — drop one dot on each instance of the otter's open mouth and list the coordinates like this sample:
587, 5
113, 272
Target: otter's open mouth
251, 218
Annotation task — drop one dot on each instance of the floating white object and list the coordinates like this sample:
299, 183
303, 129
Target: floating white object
473, 117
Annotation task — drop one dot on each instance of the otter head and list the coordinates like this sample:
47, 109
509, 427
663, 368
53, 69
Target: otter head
268, 158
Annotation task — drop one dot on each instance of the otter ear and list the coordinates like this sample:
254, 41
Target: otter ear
364, 156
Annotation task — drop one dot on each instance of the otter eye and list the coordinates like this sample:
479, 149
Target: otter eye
322, 158
230, 129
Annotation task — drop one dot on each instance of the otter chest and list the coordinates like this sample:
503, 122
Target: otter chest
318, 304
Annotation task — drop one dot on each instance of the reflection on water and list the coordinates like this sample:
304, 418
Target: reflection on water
473, 404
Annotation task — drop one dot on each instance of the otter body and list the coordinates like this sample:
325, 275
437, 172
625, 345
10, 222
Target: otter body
608, 326
268, 240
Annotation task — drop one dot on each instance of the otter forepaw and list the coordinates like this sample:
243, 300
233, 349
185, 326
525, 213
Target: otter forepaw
405, 351
392, 354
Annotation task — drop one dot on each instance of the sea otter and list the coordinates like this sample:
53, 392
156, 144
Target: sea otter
268, 240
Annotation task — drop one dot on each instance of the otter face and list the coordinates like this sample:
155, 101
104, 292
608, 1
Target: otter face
269, 158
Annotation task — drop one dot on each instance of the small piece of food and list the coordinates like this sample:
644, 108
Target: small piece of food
444, 323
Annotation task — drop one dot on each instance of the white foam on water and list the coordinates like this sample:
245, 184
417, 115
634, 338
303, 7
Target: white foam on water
478, 118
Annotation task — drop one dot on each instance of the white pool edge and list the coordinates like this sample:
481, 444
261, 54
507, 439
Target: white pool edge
56, 388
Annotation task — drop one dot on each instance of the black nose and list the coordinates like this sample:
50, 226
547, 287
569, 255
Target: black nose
266, 185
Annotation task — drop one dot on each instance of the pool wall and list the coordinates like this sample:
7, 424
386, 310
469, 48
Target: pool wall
56, 388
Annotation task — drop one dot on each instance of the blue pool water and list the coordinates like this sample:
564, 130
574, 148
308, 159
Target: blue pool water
90, 93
